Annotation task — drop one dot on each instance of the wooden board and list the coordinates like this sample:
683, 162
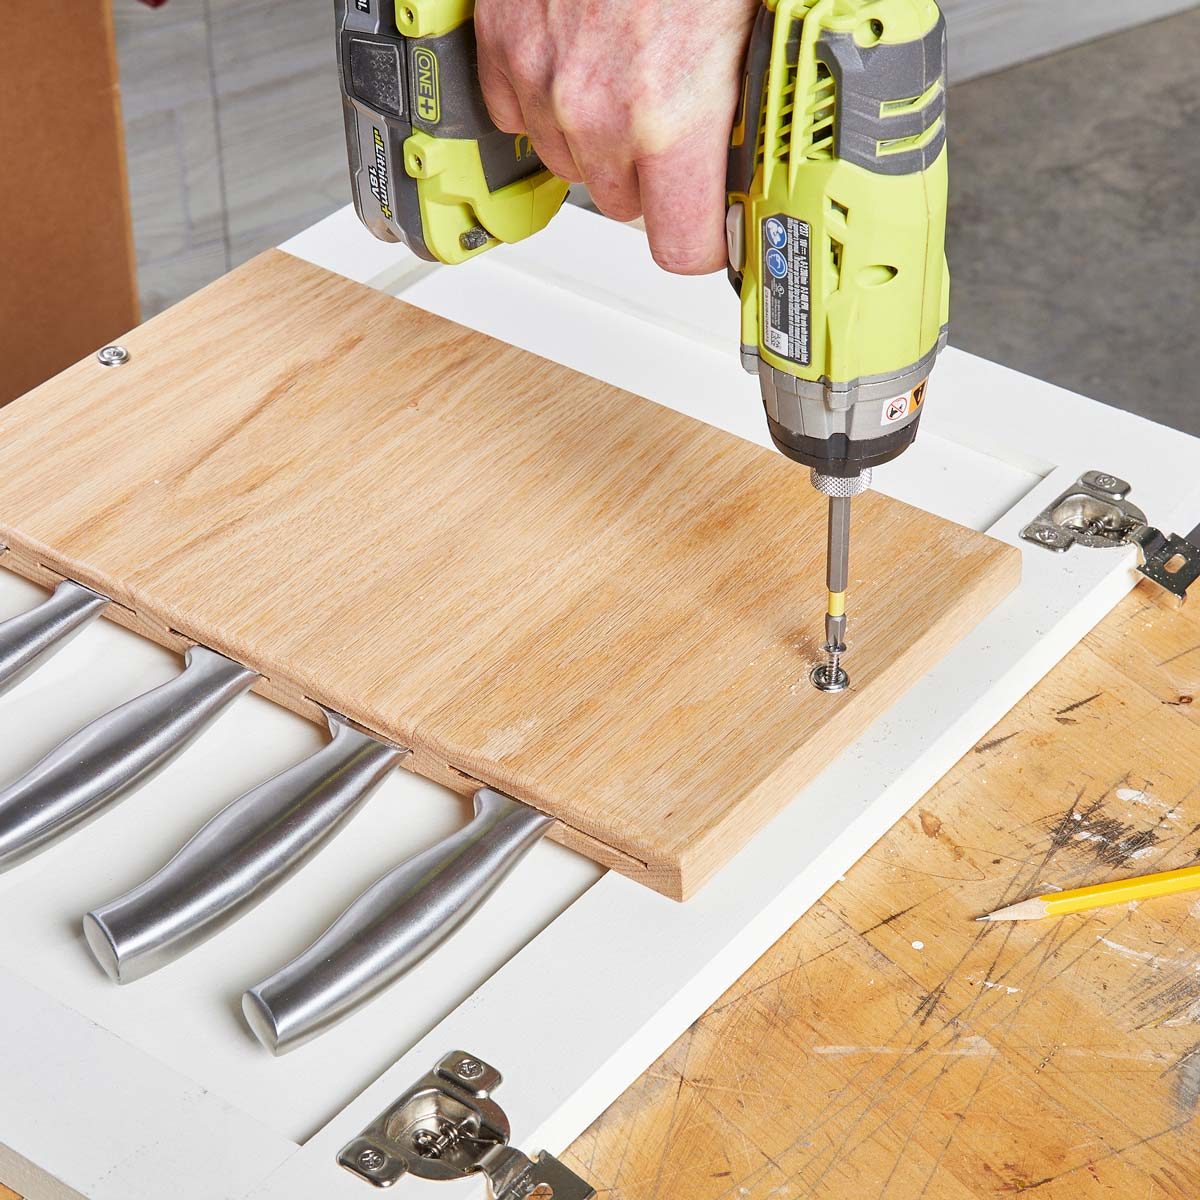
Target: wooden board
890, 1047
595, 604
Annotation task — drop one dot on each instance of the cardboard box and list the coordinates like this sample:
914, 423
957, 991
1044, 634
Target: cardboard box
67, 277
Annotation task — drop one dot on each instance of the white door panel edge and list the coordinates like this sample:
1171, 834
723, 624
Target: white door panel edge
577, 1013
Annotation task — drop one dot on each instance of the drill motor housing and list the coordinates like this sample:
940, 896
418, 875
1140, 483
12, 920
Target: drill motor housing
837, 211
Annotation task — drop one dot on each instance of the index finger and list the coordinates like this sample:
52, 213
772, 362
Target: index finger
683, 199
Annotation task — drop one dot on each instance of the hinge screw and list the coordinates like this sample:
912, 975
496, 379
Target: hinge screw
112, 356
1104, 482
371, 1160
469, 1068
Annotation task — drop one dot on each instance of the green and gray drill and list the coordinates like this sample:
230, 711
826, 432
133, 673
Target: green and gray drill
836, 226
836, 218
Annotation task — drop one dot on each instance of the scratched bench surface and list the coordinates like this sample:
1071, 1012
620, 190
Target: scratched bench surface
535, 580
890, 1047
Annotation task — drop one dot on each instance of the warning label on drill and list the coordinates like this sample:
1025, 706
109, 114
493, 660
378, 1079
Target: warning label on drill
786, 284
902, 406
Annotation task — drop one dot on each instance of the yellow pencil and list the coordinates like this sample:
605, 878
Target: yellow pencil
1058, 904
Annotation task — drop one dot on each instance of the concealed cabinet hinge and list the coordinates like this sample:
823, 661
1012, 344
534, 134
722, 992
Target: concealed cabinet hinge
1096, 512
447, 1127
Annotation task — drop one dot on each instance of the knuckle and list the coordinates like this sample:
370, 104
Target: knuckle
526, 58
584, 106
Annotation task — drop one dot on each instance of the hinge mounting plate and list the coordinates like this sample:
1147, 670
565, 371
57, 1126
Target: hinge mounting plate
447, 1126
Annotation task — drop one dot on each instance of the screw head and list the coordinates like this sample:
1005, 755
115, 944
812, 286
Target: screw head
371, 1159
826, 678
469, 1068
1048, 536
112, 356
1105, 482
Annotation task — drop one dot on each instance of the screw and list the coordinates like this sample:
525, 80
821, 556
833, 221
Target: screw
469, 1068
1104, 482
371, 1159
113, 356
1048, 537
829, 676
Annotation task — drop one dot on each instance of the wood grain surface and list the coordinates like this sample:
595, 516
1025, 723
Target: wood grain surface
889, 1046
598, 605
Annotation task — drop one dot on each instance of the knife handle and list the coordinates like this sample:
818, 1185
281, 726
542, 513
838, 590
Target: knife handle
114, 753
239, 857
29, 638
394, 924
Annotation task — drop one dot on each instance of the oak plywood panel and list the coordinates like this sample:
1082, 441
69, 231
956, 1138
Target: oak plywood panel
537, 581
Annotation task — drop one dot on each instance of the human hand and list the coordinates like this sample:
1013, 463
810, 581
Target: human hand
635, 98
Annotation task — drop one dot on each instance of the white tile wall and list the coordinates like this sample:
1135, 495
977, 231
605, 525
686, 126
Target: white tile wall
233, 132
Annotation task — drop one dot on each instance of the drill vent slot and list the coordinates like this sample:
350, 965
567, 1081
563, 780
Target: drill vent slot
901, 145
806, 123
820, 129
835, 265
897, 108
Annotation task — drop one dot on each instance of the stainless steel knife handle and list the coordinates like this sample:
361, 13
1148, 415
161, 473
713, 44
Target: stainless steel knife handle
115, 752
394, 924
236, 860
29, 638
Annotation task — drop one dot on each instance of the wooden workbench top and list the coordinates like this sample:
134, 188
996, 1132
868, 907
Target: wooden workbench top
889, 1046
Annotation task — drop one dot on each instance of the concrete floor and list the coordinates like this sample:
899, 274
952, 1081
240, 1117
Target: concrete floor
1075, 232
1074, 236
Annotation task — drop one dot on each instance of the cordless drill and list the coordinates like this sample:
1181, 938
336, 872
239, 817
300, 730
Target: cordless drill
836, 211
836, 226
